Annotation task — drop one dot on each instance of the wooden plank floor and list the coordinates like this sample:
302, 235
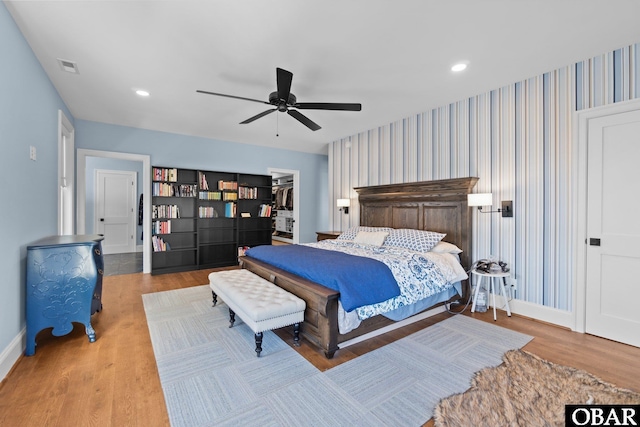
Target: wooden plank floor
114, 381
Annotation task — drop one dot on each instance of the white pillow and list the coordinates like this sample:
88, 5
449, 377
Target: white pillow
415, 240
446, 248
374, 238
351, 233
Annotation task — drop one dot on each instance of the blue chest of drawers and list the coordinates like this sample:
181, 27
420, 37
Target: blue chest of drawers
64, 285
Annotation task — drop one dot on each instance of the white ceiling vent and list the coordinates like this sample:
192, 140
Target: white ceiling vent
68, 66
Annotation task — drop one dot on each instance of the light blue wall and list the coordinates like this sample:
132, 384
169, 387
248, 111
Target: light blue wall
94, 163
29, 107
182, 151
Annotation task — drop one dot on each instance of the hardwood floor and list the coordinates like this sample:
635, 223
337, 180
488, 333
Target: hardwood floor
114, 381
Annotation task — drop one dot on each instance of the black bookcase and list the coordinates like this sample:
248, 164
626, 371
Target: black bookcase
201, 219
254, 210
174, 222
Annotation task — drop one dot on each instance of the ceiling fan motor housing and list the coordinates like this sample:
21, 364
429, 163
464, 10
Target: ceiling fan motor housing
280, 103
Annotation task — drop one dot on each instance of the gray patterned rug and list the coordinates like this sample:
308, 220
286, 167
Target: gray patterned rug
210, 374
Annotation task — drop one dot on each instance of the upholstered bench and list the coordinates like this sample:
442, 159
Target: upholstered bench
262, 305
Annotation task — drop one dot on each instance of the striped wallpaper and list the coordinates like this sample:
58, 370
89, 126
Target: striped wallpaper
519, 141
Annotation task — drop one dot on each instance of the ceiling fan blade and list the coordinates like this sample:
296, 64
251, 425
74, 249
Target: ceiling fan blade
232, 96
257, 116
303, 119
284, 78
328, 106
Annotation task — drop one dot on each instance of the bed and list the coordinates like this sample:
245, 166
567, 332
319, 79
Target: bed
438, 206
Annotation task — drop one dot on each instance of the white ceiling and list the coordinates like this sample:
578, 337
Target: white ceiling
394, 57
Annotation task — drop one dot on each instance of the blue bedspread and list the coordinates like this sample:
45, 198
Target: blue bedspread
360, 281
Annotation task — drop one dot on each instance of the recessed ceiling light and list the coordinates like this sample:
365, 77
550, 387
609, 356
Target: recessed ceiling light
459, 67
141, 92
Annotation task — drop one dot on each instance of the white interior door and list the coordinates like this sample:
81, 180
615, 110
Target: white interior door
115, 210
613, 228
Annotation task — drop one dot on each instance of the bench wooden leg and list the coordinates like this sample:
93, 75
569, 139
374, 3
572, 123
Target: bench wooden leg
215, 298
232, 318
258, 343
296, 334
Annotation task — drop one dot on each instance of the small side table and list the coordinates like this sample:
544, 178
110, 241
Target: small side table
491, 277
324, 235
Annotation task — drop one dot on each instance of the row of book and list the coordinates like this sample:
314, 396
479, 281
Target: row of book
204, 185
165, 211
161, 227
165, 174
248, 192
159, 245
210, 212
210, 195
173, 190
264, 211
207, 212
227, 185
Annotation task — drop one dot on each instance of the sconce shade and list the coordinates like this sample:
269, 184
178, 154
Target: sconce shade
480, 199
343, 203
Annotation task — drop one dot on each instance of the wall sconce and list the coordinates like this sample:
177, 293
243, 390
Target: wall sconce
344, 204
486, 199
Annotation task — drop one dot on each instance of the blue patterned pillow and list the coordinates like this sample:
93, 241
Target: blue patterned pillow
416, 240
352, 232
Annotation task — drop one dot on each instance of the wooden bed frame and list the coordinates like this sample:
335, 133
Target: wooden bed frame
429, 205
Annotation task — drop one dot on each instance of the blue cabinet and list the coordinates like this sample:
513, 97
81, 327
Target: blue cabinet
64, 285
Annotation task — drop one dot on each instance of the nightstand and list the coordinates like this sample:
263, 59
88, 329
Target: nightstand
324, 235
492, 277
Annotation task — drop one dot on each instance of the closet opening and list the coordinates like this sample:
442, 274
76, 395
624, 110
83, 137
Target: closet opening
284, 201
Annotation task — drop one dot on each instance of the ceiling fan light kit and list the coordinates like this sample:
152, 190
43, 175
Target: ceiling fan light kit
285, 101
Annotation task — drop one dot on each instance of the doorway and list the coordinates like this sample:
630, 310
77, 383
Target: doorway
606, 303
285, 205
82, 157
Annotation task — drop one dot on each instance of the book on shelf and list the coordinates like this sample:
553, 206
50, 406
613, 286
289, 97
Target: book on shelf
159, 245
165, 211
207, 212
210, 195
204, 185
229, 196
264, 210
248, 192
161, 227
230, 210
165, 174
227, 185
173, 190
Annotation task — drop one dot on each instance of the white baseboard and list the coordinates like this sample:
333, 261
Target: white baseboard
536, 311
12, 353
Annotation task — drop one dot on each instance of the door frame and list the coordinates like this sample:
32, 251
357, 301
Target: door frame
81, 169
132, 194
296, 198
579, 217
66, 174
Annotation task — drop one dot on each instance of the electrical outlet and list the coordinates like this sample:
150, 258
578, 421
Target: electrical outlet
32, 153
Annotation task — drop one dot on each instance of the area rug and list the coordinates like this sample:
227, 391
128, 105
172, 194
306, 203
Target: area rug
526, 391
210, 374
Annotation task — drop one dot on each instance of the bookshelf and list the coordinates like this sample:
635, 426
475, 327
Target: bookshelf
254, 210
173, 221
217, 222
201, 218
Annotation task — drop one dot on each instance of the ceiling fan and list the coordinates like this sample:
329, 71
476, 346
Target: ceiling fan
283, 100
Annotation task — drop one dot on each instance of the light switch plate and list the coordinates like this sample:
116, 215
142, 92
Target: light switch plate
32, 152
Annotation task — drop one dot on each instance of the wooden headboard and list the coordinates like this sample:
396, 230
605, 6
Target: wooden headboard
439, 205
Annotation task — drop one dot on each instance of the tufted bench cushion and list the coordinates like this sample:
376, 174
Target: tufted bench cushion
262, 305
